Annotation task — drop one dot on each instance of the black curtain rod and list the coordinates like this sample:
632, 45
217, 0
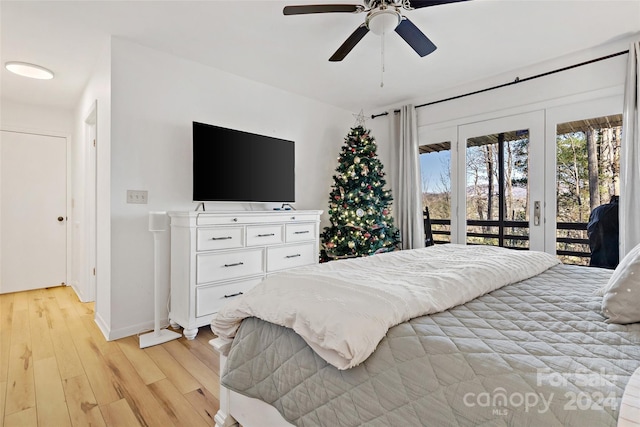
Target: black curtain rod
517, 80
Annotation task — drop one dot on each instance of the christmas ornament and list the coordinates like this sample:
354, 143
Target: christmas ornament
360, 119
360, 213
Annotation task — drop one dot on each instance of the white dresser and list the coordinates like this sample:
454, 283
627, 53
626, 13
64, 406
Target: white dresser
216, 256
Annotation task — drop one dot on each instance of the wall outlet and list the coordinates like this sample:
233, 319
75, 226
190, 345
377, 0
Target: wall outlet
137, 196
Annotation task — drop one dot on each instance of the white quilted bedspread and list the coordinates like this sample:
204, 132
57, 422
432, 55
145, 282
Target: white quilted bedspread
343, 309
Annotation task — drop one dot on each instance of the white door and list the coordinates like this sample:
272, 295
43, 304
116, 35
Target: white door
33, 244
501, 168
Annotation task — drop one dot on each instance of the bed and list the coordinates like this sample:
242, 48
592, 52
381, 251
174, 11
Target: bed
537, 351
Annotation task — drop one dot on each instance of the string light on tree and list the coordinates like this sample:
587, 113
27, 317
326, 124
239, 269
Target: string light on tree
361, 221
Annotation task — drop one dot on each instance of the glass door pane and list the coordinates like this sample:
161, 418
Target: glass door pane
502, 174
497, 189
587, 176
435, 168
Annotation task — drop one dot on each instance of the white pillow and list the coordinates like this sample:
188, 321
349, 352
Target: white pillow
621, 300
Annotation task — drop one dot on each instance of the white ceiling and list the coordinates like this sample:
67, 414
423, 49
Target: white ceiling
475, 39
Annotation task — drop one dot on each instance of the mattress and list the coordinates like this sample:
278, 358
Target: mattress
537, 352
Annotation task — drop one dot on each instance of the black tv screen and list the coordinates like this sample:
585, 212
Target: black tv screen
234, 166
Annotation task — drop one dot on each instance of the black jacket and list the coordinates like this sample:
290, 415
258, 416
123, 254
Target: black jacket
603, 231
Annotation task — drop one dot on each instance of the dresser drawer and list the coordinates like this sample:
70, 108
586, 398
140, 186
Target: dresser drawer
212, 267
219, 238
210, 298
231, 219
299, 232
234, 218
289, 256
293, 216
261, 235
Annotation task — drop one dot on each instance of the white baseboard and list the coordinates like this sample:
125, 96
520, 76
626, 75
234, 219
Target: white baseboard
137, 329
102, 325
78, 291
115, 334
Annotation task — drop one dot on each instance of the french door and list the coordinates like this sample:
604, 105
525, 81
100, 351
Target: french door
500, 175
525, 181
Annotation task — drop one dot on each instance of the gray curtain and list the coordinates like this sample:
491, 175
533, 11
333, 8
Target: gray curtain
406, 182
630, 157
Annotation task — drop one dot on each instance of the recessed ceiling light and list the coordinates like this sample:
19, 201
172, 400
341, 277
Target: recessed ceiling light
29, 70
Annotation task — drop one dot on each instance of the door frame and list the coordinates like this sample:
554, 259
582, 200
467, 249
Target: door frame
534, 122
90, 209
69, 201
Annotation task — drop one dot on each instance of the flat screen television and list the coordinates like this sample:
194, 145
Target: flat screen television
235, 166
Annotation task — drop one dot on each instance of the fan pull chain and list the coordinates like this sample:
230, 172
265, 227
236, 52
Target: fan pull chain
382, 60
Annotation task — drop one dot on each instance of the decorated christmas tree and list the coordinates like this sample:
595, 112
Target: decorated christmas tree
361, 221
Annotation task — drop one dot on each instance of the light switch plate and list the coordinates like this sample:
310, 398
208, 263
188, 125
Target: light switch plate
137, 196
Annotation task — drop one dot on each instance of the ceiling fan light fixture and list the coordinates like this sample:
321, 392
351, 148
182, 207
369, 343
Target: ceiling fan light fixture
26, 69
383, 21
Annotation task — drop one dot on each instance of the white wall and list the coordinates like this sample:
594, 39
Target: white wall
598, 79
52, 120
155, 99
599, 83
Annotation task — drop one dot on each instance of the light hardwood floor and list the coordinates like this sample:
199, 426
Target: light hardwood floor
56, 369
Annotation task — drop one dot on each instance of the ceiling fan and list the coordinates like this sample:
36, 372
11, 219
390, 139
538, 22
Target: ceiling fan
383, 16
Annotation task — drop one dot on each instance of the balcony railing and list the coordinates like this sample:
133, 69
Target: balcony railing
568, 228
572, 244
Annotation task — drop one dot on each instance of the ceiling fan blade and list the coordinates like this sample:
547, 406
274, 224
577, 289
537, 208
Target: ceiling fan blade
349, 43
416, 38
417, 4
322, 8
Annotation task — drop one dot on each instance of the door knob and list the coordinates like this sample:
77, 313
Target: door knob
60, 219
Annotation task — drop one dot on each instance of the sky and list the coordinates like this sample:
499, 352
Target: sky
432, 166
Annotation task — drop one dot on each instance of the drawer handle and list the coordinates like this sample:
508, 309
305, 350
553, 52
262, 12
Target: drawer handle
233, 295
292, 256
234, 265
266, 235
301, 232
222, 238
